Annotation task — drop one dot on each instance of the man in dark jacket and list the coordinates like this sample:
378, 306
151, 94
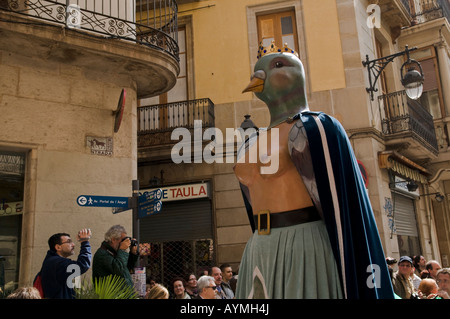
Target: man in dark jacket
112, 257
58, 271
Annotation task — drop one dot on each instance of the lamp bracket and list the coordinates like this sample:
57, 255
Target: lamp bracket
439, 197
376, 66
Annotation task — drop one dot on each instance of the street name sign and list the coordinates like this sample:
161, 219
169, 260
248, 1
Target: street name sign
150, 209
146, 205
102, 201
150, 197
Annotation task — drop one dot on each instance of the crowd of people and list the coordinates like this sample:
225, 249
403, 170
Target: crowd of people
217, 283
117, 255
417, 278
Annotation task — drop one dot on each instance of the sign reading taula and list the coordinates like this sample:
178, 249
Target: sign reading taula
182, 192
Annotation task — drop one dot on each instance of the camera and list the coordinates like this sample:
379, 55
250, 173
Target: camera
391, 261
133, 241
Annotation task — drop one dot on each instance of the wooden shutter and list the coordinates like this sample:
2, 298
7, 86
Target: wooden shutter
280, 27
429, 71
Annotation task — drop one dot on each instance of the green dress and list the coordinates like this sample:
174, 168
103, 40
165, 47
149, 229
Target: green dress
294, 262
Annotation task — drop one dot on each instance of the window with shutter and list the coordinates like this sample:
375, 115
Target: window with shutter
431, 98
406, 225
279, 27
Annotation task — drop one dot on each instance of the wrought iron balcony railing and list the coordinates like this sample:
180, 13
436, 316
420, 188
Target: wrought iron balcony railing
406, 5
156, 122
428, 10
399, 114
149, 22
166, 117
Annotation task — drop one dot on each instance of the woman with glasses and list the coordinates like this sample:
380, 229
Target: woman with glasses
191, 285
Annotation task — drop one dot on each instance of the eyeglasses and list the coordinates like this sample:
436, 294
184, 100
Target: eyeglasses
212, 287
67, 242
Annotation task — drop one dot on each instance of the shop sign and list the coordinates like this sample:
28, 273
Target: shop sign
11, 208
182, 192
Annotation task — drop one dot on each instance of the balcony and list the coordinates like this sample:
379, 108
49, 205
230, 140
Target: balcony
395, 13
431, 10
157, 25
136, 38
407, 126
181, 2
156, 122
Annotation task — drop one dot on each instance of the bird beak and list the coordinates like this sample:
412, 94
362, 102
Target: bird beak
257, 82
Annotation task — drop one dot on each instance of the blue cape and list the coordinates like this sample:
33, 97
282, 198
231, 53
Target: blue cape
359, 249
345, 207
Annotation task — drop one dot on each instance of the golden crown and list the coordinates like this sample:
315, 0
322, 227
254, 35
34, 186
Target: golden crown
272, 48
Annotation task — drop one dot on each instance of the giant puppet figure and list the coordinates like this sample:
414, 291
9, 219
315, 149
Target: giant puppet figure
315, 235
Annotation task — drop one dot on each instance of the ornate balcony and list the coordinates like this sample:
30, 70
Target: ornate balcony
430, 10
395, 13
156, 122
135, 38
407, 126
152, 23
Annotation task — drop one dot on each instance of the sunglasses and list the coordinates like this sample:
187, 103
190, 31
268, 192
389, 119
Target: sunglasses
213, 287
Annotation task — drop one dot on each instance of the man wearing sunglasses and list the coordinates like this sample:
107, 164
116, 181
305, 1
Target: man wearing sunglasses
58, 271
206, 288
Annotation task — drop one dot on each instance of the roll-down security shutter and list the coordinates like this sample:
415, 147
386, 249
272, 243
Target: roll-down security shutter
404, 216
178, 221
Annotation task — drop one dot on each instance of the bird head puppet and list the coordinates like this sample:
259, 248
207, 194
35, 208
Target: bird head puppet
324, 158
279, 81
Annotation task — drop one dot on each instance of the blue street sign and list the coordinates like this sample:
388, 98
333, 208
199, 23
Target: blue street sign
149, 197
150, 209
102, 201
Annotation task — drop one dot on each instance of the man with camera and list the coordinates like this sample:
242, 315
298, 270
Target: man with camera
117, 255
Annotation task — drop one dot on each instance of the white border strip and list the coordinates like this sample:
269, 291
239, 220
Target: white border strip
337, 214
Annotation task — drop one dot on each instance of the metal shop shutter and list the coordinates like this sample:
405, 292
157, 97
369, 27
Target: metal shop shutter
404, 216
178, 221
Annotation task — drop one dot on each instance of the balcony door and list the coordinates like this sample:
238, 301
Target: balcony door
431, 99
167, 112
279, 27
